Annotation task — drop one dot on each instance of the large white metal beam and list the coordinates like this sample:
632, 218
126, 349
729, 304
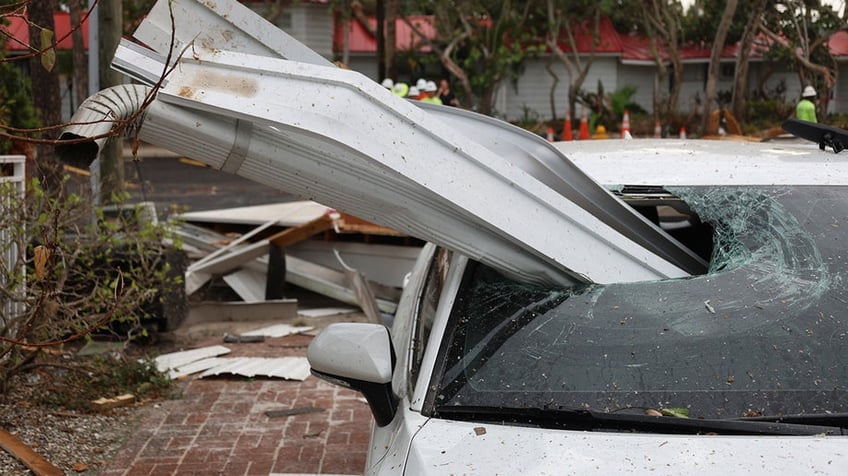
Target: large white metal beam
229, 26
334, 136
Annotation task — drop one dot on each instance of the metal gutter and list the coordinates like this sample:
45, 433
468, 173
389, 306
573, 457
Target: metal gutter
335, 136
96, 117
211, 25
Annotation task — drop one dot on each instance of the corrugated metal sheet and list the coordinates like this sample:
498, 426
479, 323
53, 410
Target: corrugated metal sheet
278, 330
289, 368
175, 360
207, 360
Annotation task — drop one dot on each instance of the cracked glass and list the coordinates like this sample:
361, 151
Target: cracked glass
762, 333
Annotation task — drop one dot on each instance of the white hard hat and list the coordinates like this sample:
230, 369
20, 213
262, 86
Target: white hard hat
388, 83
401, 89
430, 86
421, 84
808, 92
413, 91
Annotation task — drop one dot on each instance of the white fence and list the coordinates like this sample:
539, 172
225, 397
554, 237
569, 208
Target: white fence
12, 171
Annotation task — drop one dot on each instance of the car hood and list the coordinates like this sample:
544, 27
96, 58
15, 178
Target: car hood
449, 447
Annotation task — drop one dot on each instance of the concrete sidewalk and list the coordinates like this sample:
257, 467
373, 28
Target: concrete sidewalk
219, 426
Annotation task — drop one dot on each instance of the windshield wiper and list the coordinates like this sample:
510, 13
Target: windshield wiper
588, 420
839, 419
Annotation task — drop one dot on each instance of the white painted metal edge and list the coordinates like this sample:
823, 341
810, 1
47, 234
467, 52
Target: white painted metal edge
342, 140
173, 360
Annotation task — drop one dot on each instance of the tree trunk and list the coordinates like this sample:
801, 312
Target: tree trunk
110, 25
381, 40
391, 38
45, 86
552, 95
712, 74
79, 62
577, 69
740, 80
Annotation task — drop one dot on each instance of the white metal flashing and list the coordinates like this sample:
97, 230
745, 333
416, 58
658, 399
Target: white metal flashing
337, 137
422, 178
278, 330
175, 360
289, 368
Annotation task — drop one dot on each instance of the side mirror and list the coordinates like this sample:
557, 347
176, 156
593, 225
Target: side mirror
361, 357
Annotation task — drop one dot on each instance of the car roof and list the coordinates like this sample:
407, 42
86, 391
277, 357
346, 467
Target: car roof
673, 162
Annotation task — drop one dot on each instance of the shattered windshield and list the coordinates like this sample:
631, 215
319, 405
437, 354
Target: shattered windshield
763, 333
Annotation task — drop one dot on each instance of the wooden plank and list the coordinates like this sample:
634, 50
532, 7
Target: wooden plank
26, 455
119, 401
302, 232
352, 224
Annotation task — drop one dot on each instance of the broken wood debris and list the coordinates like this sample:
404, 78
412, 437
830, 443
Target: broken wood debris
309, 235
27, 456
104, 403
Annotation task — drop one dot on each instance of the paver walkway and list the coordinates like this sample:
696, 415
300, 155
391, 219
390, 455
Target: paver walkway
220, 427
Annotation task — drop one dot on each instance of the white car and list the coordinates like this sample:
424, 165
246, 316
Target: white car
716, 345
742, 370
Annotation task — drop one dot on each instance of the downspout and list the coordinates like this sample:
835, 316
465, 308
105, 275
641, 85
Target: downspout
96, 118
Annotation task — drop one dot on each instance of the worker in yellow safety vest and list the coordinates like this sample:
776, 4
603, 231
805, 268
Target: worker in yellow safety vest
429, 94
401, 89
806, 108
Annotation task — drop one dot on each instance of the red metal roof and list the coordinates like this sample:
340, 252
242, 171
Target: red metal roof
633, 49
360, 40
18, 33
609, 41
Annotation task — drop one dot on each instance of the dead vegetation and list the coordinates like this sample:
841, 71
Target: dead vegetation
69, 272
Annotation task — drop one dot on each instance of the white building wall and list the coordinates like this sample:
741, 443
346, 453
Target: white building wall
642, 78
316, 24
366, 65
530, 96
311, 24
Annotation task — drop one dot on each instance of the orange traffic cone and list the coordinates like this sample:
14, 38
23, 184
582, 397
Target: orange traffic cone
657, 130
567, 133
625, 125
683, 132
583, 134
550, 134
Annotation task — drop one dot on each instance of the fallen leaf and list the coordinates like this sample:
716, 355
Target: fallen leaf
48, 57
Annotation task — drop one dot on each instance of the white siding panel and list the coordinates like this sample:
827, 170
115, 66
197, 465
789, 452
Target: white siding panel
310, 24
531, 94
366, 65
318, 29
642, 78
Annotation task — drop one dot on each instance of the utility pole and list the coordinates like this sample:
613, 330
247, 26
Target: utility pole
110, 30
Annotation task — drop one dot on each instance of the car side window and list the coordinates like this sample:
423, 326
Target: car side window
426, 310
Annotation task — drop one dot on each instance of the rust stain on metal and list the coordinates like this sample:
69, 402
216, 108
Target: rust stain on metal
186, 92
230, 83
